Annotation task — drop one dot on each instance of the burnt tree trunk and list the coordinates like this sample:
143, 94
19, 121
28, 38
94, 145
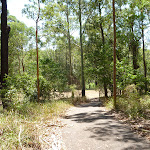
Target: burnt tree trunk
4, 46
4, 42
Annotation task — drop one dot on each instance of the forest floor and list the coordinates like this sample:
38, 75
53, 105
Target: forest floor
90, 126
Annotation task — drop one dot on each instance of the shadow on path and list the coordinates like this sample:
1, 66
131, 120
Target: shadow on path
103, 127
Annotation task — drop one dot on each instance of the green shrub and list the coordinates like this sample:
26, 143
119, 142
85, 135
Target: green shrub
131, 103
45, 88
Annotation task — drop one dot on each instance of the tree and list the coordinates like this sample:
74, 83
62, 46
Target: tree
114, 68
4, 41
4, 44
144, 8
19, 41
81, 48
33, 11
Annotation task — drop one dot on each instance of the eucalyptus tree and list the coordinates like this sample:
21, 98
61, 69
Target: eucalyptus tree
131, 21
81, 48
21, 39
114, 56
33, 11
58, 26
144, 9
98, 37
18, 41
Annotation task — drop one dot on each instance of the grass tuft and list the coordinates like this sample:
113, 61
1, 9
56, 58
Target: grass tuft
19, 129
134, 106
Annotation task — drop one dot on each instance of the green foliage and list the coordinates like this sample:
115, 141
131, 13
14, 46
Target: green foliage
72, 88
131, 103
19, 90
45, 88
53, 73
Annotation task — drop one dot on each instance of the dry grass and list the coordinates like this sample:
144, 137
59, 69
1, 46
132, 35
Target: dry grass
134, 106
21, 129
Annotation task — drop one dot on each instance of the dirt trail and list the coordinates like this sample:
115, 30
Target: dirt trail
91, 127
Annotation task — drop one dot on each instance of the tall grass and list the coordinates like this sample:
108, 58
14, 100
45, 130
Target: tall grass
19, 129
132, 104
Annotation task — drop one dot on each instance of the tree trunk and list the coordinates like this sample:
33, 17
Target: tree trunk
69, 42
82, 65
105, 90
38, 86
101, 27
4, 47
19, 64
4, 41
134, 53
114, 67
22, 65
144, 61
103, 41
66, 60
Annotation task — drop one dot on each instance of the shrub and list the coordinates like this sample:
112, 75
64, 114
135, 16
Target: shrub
131, 103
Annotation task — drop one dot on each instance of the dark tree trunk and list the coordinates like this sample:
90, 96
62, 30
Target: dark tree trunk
66, 60
38, 84
69, 43
4, 41
134, 52
4, 46
22, 65
105, 90
103, 41
134, 48
82, 65
114, 67
144, 61
19, 64
101, 27
143, 42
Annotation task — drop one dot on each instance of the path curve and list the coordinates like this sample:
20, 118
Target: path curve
91, 127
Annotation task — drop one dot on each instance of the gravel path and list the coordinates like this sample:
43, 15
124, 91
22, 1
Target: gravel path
91, 127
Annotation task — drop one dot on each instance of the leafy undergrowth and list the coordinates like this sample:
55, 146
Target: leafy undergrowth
134, 106
133, 109
20, 129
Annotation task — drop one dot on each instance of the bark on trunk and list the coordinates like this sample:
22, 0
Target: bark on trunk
69, 43
114, 67
38, 86
4, 42
4, 47
103, 41
134, 48
105, 90
144, 61
19, 64
82, 65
